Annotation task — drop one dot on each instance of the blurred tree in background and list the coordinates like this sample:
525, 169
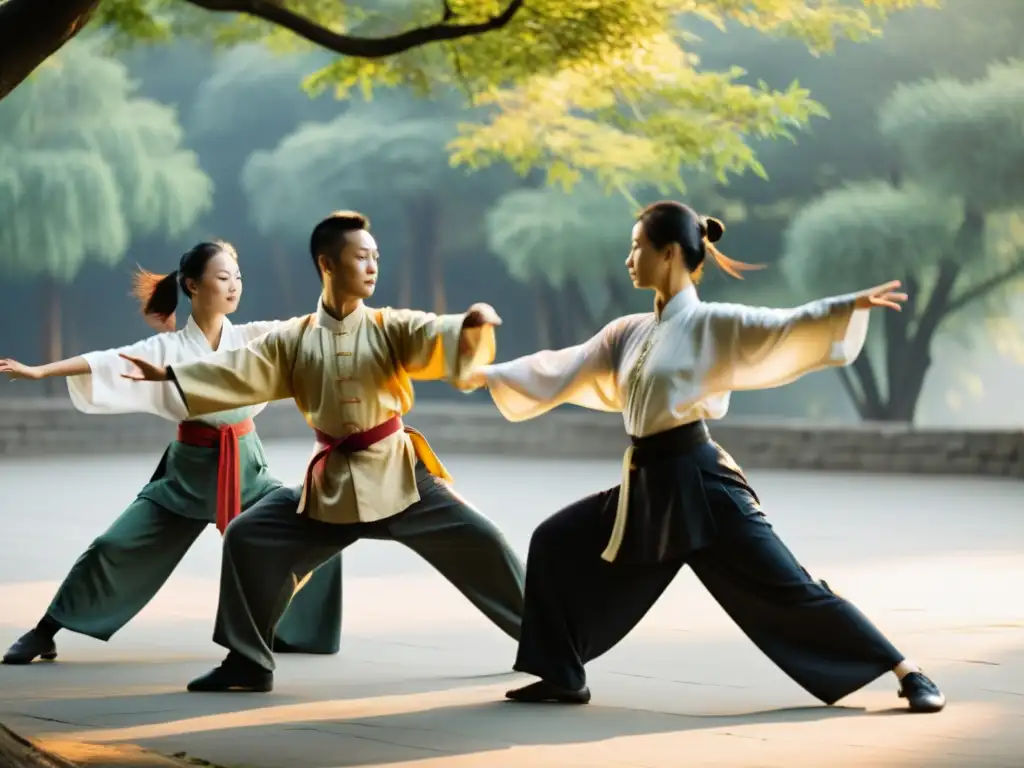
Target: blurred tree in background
236, 86
609, 88
384, 154
946, 222
86, 167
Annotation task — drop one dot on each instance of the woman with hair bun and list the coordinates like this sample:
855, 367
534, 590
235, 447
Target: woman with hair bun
595, 568
215, 469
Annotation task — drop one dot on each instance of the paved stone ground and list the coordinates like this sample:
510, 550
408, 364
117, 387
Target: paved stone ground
936, 562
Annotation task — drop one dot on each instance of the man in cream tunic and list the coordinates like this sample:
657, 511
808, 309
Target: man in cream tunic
350, 370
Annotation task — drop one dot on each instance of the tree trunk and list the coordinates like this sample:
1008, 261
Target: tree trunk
581, 321
54, 338
31, 31
430, 241
18, 752
283, 272
542, 315
915, 358
409, 259
556, 315
618, 295
405, 279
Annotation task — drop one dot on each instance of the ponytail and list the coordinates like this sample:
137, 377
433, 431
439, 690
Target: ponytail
731, 267
667, 222
157, 296
711, 230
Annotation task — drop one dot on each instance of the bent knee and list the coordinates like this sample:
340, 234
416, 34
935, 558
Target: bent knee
109, 544
240, 529
546, 537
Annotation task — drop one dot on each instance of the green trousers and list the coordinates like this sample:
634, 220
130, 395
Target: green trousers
127, 565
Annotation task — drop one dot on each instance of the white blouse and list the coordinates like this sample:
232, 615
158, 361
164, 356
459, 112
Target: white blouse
104, 391
696, 354
679, 366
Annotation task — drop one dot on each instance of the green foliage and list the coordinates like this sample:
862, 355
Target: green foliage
551, 235
604, 88
866, 233
963, 139
336, 161
245, 79
952, 230
85, 166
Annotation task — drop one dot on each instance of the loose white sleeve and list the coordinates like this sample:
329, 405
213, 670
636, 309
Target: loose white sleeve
761, 348
583, 375
104, 391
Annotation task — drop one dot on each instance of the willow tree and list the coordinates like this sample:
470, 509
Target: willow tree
85, 166
252, 94
569, 247
384, 154
944, 223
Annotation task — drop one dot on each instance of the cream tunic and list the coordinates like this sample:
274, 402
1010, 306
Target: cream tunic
347, 376
662, 371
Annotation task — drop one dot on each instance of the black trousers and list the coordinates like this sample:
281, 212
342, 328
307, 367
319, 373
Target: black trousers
270, 549
579, 606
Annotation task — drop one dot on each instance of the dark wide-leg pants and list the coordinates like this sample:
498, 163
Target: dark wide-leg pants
270, 549
126, 566
579, 606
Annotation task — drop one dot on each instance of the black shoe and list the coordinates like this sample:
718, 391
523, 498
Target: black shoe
280, 646
30, 646
236, 674
921, 693
543, 691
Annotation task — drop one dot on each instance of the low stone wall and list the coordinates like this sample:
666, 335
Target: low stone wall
49, 427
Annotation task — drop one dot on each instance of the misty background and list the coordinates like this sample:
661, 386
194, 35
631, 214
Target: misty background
198, 143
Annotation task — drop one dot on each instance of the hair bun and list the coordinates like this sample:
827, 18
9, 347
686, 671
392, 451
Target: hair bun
712, 228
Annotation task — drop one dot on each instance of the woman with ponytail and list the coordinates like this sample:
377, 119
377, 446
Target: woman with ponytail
595, 568
213, 470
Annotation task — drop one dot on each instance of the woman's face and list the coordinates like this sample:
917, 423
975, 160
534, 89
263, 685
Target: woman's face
647, 265
220, 288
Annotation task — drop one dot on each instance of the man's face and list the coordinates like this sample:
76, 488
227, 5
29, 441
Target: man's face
354, 274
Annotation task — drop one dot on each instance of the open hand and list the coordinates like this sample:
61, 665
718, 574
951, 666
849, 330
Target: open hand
145, 370
884, 296
481, 314
474, 380
16, 370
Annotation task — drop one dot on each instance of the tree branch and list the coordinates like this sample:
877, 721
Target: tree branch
938, 303
851, 391
906, 390
360, 47
865, 372
983, 288
32, 31
897, 338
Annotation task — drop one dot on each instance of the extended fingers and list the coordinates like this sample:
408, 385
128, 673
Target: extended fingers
880, 301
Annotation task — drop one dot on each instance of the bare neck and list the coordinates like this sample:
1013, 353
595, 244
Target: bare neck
212, 326
676, 283
339, 306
